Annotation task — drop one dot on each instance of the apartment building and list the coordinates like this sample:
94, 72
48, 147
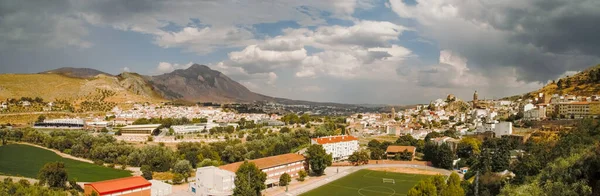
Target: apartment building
575, 109
340, 147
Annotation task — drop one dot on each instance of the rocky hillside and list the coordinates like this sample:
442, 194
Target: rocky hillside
199, 83
584, 83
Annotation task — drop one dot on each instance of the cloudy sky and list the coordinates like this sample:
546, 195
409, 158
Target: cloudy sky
350, 51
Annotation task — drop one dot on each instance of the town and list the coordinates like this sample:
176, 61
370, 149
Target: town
284, 146
300, 98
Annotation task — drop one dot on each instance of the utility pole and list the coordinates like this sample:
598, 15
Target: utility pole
477, 184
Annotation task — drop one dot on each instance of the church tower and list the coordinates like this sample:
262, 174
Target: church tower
475, 97
393, 113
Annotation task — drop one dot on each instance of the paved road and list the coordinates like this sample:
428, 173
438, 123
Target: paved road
331, 175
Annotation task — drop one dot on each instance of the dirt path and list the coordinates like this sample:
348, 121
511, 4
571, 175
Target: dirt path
59, 153
16, 179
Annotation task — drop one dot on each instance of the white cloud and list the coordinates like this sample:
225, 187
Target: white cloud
204, 40
312, 89
164, 67
348, 52
126, 69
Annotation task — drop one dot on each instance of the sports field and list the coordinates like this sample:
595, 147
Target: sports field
26, 161
369, 183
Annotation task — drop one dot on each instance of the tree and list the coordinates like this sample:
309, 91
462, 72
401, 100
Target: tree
440, 184
53, 174
146, 172
445, 157
453, 186
318, 159
41, 118
249, 180
377, 153
468, 147
3, 136
373, 144
423, 188
404, 156
301, 175
285, 179
284, 130
184, 168
359, 157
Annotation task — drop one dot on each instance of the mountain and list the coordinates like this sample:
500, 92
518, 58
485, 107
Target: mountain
76, 72
199, 83
584, 83
90, 88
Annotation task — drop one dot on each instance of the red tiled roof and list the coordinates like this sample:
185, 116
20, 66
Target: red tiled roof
267, 162
119, 185
401, 149
334, 139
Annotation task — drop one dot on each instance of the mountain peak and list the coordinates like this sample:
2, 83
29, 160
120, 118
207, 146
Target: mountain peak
198, 66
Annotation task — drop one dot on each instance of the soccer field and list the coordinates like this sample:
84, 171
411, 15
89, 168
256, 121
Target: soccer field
26, 161
369, 183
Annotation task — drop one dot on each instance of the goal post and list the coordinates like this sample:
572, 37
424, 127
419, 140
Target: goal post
389, 180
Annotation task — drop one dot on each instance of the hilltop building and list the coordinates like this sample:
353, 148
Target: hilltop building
340, 147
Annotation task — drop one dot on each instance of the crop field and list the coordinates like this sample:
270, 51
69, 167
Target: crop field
26, 161
370, 183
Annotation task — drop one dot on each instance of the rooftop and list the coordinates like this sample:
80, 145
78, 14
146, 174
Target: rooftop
267, 162
119, 185
401, 149
334, 139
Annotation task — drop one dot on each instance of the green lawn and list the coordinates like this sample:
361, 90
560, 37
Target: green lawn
26, 161
369, 183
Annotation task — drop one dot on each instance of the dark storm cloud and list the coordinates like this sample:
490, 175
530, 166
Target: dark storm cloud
538, 39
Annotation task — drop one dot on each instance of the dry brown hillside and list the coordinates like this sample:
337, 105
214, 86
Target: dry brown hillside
584, 83
50, 87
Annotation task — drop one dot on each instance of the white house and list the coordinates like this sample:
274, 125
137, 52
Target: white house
528, 107
340, 147
212, 180
160, 188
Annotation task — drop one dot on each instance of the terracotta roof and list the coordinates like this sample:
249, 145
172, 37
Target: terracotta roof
401, 149
119, 185
267, 162
334, 139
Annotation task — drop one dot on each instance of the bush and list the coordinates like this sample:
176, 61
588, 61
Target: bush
302, 175
177, 179
99, 162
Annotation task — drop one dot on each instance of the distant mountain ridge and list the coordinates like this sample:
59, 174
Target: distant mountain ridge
198, 83
76, 72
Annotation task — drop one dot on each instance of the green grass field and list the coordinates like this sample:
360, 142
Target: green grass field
26, 161
369, 183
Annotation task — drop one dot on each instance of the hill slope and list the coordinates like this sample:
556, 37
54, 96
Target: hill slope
90, 89
584, 83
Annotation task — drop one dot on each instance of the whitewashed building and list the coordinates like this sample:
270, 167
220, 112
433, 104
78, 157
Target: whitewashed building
340, 147
212, 180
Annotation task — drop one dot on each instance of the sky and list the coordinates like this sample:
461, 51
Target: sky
346, 51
